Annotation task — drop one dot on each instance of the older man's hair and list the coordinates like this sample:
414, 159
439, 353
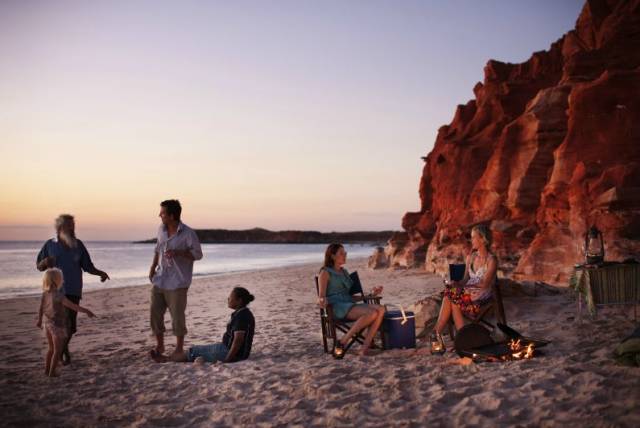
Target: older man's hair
62, 219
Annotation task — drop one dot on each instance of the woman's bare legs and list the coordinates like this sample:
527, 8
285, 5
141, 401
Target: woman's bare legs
448, 310
445, 314
458, 318
373, 328
363, 315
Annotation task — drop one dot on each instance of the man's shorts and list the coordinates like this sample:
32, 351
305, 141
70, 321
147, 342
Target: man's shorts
210, 353
176, 301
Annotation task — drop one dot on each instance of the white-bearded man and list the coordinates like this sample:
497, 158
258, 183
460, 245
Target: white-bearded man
68, 253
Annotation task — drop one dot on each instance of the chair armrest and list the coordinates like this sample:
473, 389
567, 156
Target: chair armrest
372, 300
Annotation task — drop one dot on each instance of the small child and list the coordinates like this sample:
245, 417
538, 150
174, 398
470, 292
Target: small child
52, 307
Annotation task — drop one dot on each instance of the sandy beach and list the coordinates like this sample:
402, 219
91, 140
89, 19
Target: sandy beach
290, 381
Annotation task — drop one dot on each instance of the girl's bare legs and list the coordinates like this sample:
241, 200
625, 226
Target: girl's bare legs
47, 361
363, 317
445, 314
373, 328
58, 346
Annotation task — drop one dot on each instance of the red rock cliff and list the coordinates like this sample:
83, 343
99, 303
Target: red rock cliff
547, 148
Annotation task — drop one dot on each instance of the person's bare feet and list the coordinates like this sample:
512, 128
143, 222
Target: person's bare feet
157, 357
54, 373
178, 356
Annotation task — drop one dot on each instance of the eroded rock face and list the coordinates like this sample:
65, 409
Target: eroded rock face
548, 148
378, 260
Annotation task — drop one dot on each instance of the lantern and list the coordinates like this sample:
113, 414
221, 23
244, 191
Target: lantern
437, 344
593, 246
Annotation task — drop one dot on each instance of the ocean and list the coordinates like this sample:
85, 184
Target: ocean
128, 263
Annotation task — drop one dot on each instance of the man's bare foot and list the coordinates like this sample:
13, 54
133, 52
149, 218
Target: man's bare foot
199, 360
178, 356
158, 358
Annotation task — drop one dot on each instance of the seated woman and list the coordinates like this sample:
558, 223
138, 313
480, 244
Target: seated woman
236, 342
465, 297
334, 285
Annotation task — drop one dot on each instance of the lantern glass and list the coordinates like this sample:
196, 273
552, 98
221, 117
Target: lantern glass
594, 246
437, 344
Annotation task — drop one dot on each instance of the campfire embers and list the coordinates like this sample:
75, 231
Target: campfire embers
475, 342
519, 351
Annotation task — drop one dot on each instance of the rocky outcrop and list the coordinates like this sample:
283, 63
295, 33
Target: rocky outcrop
547, 148
378, 260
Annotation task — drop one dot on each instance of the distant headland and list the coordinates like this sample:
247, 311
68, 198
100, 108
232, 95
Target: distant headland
263, 236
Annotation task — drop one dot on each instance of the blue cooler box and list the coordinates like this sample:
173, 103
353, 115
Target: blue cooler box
397, 335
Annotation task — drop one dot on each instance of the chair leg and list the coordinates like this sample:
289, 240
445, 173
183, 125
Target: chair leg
324, 336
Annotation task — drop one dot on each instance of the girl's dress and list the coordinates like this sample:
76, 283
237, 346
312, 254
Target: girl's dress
54, 315
338, 295
471, 297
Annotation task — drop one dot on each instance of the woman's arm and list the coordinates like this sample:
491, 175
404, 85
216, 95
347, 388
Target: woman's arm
323, 280
69, 304
375, 291
490, 276
238, 340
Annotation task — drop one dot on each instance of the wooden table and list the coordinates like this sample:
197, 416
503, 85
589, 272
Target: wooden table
613, 284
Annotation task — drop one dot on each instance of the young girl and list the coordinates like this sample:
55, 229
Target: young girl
52, 307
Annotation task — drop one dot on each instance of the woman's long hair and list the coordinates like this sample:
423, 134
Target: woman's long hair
331, 251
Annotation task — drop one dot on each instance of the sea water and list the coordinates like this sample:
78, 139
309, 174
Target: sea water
128, 263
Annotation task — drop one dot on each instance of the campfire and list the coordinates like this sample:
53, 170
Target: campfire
476, 343
518, 351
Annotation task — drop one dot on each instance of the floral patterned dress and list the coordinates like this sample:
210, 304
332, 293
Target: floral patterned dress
470, 297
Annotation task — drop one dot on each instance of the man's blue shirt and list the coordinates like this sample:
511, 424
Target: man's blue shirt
71, 261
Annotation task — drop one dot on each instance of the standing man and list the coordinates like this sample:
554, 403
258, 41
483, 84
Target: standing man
171, 272
68, 254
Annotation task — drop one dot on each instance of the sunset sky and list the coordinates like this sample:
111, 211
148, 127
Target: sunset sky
278, 114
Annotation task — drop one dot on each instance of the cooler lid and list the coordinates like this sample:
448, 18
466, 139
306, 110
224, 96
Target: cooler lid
398, 315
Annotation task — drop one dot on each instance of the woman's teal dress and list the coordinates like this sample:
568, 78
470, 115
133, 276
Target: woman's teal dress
338, 295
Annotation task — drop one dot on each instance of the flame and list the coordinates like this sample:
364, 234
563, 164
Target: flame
520, 352
529, 351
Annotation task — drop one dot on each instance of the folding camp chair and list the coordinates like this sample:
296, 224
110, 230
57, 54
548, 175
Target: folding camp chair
330, 325
494, 307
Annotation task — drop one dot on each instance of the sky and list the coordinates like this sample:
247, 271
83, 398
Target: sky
279, 114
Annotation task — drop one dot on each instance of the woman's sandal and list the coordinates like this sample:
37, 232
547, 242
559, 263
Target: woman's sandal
338, 350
